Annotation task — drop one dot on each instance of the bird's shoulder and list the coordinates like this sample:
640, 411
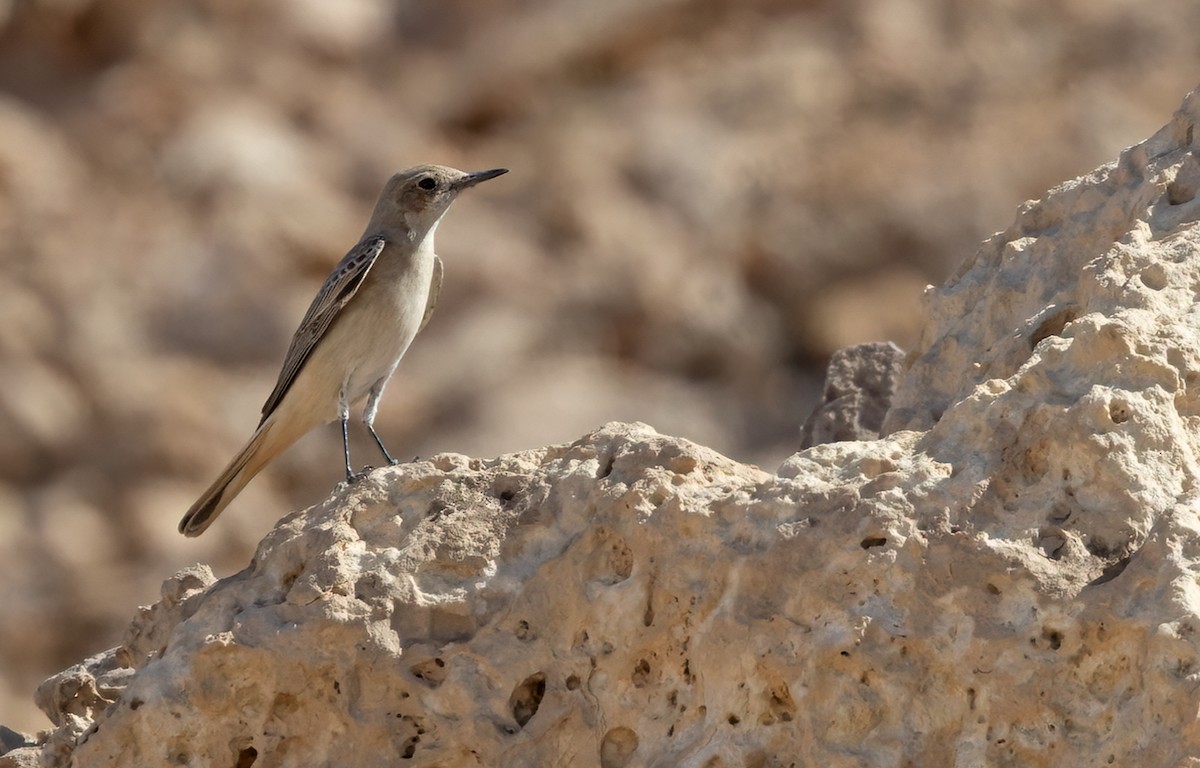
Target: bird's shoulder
345, 279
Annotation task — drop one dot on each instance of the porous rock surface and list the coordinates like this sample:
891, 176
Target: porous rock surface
859, 384
1007, 577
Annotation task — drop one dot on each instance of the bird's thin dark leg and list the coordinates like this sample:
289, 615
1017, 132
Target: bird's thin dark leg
369, 416
384, 451
346, 446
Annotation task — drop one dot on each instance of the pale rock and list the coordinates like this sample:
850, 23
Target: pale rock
21, 757
858, 392
241, 145
1006, 577
42, 412
38, 164
343, 28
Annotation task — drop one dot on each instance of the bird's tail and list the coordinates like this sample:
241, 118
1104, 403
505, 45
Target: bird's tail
268, 441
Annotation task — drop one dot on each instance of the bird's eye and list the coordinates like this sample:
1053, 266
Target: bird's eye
427, 183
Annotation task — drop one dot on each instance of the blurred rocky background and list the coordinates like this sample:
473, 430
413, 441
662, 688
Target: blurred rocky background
706, 200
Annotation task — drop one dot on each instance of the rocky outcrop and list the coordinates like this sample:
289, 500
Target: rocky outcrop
1006, 577
707, 200
859, 385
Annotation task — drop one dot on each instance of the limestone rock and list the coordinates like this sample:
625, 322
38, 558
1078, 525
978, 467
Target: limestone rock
858, 390
705, 200
1008, 576
14, 745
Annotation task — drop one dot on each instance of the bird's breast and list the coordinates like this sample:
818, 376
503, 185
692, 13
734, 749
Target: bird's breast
383, 317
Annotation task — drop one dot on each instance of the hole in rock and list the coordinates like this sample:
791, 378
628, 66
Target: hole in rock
1099, 547
289, 579
409, 748
617, 747
873, 541
1110, 572
1053, 542
246, 758
782, 706
1053, 638
432, 671
523, 632
606, 468
413, 726
641, 673
527, 697
506, 489
1053, 325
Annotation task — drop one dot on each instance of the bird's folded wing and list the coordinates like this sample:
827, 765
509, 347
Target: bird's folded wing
337, 291
435, 290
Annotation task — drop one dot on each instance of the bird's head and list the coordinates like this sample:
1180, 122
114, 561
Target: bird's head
415, 199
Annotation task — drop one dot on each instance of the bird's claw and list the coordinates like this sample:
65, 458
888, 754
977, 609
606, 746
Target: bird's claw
354, 478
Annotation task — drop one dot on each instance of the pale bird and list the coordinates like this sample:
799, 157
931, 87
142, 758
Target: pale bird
376, 300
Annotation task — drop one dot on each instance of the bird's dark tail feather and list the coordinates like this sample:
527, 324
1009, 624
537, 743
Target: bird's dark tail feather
261, 448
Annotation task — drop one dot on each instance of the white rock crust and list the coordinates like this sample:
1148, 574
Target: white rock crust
1007, 577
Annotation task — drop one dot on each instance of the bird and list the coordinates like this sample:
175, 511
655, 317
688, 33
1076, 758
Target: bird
358, 327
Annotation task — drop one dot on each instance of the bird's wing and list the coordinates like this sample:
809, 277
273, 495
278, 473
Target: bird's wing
435, 290
337, 291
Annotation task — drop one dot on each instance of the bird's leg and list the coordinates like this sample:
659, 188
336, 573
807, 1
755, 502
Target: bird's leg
344, 415
351, 476
369, 418
346, 447
382, 450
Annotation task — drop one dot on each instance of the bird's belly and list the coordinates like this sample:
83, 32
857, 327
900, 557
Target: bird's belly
373, 368
365, 343
380, 333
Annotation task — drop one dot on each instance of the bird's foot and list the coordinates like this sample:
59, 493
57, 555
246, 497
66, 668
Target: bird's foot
353, 479
357, 477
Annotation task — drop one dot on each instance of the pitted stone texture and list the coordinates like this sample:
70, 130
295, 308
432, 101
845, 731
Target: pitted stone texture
634, 599
1095, 283
1060, 365
859, 384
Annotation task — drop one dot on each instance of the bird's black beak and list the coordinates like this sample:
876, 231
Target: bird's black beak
471, 179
